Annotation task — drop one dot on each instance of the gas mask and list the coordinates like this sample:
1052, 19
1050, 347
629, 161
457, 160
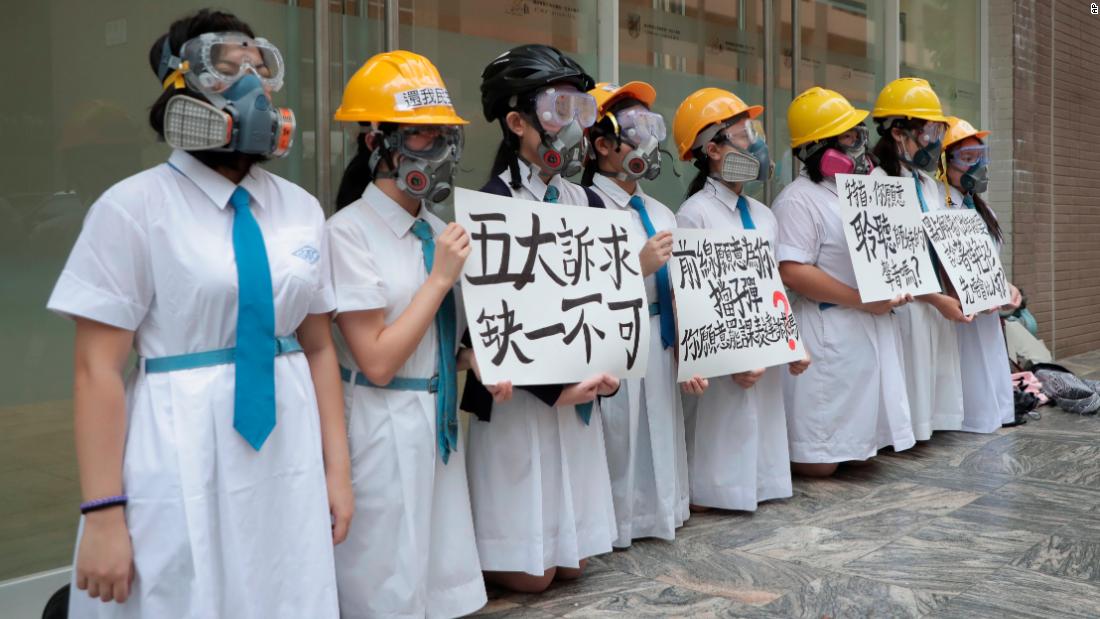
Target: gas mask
233, 72
562, 114
429, 155
841, 159
929, 141
643, 131
975, 179
750, 159
973, 162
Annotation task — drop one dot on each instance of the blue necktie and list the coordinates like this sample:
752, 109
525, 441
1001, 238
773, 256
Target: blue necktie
664, 290
743, 210
920, 193
551, 195
584, 411
446, 399
968, 200
254, 394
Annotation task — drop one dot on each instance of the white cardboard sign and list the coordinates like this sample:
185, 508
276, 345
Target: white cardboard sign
970, 257
552, 294
732, 313
886, 242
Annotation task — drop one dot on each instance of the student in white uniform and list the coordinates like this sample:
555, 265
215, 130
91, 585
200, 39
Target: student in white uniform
205, 470
911, 126
852, 401
737, 430
644, 422
986, 380
411, 551
539, 481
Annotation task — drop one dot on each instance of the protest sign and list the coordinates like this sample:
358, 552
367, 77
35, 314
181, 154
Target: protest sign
886, 242
970, 257
732, 313
552, 294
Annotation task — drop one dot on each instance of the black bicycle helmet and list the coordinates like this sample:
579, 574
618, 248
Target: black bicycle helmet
523, 69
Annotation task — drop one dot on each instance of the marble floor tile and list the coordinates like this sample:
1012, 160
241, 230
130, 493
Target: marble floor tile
1016, 456
598, 579
954, 478
739, 529
1078, 465
851, 596
511, 610
964, 534
1029, 504
1016, 592
655, 601
938, 560
699, 566
814, 546
910, 497
1064, 557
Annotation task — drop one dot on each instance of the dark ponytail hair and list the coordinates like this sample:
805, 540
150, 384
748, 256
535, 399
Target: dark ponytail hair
886, 149
357, 175
988, 217
604, 128
812, 164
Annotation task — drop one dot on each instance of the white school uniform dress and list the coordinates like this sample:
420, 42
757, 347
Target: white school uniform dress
983, 364
410, 551
851, 401
219, 529
737, 438
644, 422
539, 481
930, 348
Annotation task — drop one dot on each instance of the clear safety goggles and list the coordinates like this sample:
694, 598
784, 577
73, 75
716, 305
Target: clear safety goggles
638, 124
431, 142
966, 157
741, 135
214, 61
931, 133
854, 138
557, 107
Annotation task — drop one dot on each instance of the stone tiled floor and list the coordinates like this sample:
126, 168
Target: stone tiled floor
1001, 525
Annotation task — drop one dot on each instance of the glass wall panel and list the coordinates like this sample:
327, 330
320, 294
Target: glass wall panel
940, 42
679, 47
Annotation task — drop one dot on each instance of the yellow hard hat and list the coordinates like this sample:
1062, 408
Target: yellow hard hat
909, 97
607, 94
702, 108
958, 130
398, 87
819, 113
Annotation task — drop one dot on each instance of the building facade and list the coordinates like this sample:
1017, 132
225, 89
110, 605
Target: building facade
74, 122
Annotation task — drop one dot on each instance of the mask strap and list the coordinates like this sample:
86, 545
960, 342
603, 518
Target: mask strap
169, 61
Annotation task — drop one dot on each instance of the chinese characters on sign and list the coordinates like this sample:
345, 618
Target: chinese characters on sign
886, 243
552, 292
970, 257
732, 311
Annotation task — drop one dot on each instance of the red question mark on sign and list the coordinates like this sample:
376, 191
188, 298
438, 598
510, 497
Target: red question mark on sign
776, 298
